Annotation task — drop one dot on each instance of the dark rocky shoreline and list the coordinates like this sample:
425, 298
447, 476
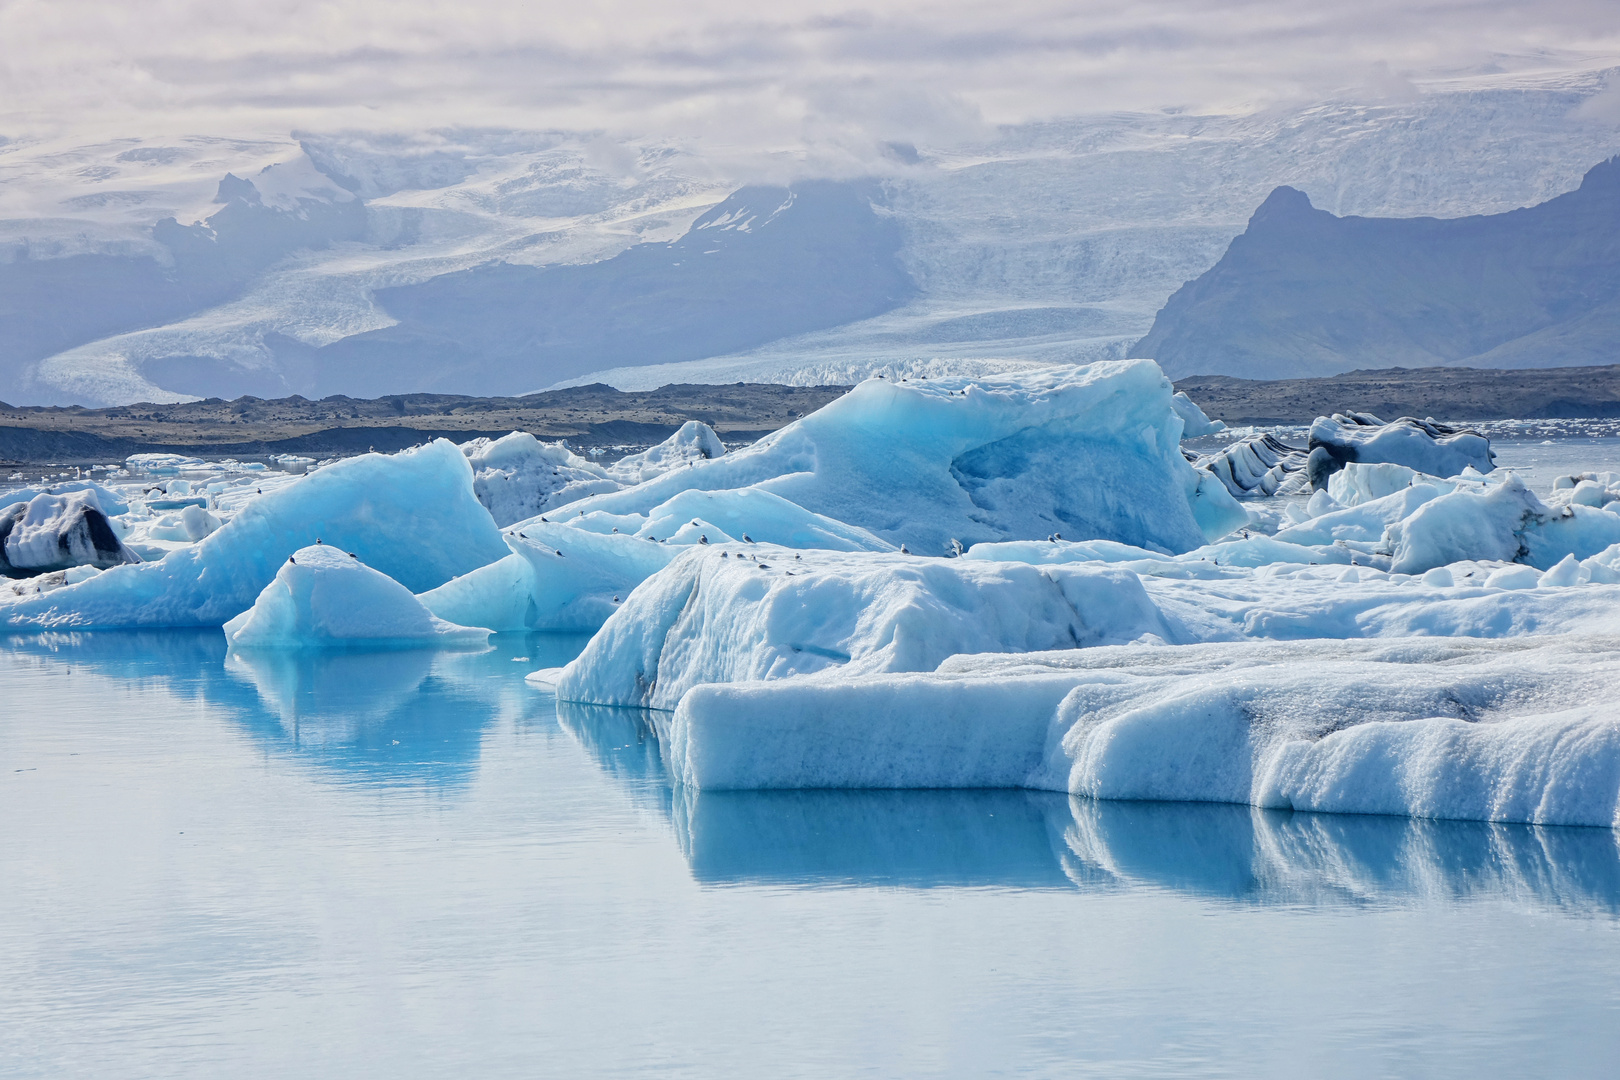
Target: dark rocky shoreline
600, 416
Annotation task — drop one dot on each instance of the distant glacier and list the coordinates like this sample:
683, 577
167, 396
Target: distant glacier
507, 261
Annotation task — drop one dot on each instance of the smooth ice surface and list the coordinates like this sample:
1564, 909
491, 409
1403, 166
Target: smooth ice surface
1519, 731
407, 864
410, 515
325, 598
1093, 451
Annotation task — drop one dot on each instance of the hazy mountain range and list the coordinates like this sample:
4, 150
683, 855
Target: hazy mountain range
499, 261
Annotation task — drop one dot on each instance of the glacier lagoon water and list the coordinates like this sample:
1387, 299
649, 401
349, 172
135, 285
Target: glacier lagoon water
415, 864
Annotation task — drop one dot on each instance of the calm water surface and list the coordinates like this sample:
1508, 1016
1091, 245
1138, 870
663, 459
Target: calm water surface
411, 864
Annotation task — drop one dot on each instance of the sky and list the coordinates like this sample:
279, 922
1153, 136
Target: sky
807, 77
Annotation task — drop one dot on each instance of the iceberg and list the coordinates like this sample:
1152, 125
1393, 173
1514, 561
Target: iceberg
108, 501
568, 576
1258, 465
324, 598
558, 578
694, 441
1496, 731
58, 532
938, 464
768, 613
1504, 522
517, 476
1195, 424
1430, 447
410, 515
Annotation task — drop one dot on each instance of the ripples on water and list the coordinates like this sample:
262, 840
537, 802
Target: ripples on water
413, 863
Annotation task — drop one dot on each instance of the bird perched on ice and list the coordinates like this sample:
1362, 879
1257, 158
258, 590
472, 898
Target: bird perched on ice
703, 538
747, 539
904, 550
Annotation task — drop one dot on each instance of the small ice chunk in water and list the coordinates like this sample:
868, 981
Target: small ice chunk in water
323, 597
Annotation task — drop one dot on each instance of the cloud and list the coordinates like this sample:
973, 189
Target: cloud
815, 78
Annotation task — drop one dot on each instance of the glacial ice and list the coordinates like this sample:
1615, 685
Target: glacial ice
57, 532
108, 500
517, 476
323, 598
693, 441
410, 515
766, 614
1430, 447
1497, 731
1091, 451
1195, 424
1258, 465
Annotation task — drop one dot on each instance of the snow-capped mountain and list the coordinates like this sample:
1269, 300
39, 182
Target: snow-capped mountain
505, 261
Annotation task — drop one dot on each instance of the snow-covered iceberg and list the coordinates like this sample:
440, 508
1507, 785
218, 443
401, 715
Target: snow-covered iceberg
517, 476
692, 442
324, 598
1091, 452
1425, 445
767, 613
58, 532
410, 515
1499, 731
1503, 522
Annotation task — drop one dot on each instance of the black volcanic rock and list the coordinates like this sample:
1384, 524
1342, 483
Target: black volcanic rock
1305, 293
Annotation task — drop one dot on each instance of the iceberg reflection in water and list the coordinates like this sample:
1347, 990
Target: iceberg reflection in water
386, 716
1025, 839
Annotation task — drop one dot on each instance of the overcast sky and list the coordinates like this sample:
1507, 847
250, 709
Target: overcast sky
743, 75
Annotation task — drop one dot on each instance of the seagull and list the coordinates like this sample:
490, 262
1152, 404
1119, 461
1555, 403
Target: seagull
542, 518
904, 550
292, 560
747, 539
702, 539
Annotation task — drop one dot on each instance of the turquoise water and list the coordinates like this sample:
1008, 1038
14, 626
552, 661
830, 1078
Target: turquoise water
410, 864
